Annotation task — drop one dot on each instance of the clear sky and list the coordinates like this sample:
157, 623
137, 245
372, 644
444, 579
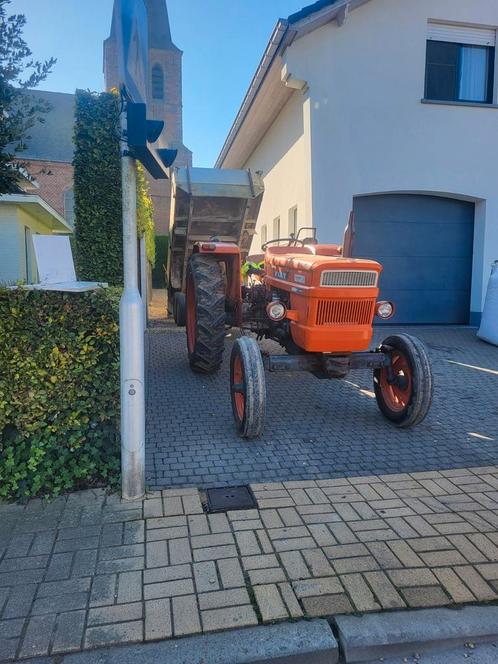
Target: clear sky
222, 42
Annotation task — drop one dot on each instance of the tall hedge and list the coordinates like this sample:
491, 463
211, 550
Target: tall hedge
97, 188
97, 191
59, 390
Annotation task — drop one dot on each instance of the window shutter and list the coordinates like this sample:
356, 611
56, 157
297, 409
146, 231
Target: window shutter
462, 34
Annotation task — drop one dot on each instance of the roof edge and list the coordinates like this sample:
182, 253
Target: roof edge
272, 49
310, 9
35, 199
285, 31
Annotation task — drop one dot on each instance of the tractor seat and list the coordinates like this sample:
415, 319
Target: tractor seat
278, 251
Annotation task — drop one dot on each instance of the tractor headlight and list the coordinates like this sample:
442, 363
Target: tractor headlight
384, 309
276, 310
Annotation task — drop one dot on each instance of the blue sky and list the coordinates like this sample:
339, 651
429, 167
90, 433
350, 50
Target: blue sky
222, 41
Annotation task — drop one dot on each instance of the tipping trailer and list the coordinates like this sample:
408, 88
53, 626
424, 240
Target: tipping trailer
208, 204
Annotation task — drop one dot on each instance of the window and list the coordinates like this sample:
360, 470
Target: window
157, 82
293, 221
276, 228
264, 234
460, 64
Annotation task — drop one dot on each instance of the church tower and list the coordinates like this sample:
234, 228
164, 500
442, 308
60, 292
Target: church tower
164, 97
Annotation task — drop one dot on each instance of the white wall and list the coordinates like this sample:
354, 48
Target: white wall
9, 245
370, 133
37, 228
13, 221
284, 157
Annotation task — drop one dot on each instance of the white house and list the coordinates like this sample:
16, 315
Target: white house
390, 108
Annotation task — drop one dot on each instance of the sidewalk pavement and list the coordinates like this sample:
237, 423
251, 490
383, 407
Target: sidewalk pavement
90, 570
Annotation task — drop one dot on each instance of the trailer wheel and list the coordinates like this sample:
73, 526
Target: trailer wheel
247, 387
406, 400
179, 308
205, 314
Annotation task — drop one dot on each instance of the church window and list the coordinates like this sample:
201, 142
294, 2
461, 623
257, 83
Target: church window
157, 82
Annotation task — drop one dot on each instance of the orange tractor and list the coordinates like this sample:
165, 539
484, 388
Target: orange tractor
319, 304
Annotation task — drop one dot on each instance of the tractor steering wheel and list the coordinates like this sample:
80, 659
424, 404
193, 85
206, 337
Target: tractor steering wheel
292, 242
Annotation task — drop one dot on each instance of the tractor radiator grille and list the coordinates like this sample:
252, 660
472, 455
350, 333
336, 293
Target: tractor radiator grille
344, 312
341, 278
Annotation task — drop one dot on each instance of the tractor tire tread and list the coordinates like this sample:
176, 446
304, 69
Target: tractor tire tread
423, 382
255, 386
209, 284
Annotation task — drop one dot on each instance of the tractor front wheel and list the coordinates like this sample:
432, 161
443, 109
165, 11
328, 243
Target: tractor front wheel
404, 390
248, 388
205, 314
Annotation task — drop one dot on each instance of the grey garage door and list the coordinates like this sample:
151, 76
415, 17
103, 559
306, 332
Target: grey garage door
425, 244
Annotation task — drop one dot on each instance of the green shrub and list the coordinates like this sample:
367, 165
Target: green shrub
158, 275
59, 390
145, 215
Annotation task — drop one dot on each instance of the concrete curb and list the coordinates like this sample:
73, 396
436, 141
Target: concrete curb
304, 642
368, 637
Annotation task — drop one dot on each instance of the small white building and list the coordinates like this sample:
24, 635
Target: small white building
390, 108
22, 216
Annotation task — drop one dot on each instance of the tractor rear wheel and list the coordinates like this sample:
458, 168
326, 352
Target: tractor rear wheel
205, 314
405, 396
247, 387
179, 308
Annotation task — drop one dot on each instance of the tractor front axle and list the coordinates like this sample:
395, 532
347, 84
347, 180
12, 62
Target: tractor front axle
329, 366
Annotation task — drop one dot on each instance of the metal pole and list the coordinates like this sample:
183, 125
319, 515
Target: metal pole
144, 286
131, 323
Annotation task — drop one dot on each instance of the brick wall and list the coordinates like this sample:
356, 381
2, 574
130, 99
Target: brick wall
54, 178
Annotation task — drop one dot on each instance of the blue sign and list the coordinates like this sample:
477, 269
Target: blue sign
130, 18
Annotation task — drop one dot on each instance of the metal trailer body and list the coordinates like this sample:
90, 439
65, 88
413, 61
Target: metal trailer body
208, 203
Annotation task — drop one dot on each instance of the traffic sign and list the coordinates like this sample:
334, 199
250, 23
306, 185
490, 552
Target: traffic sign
130, 20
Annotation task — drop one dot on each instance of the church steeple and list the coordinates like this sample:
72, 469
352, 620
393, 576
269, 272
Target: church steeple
159, 30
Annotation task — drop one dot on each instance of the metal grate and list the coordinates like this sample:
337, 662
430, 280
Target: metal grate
344, 312
349, 278
230, 498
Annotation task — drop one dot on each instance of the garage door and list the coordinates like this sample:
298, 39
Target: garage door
425, 244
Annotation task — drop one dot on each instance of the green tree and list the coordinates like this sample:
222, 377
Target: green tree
19, 110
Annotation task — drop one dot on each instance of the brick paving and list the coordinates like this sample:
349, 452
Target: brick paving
316, 429
89, 570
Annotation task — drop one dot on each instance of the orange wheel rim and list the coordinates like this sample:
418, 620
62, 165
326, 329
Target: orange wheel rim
238, 388
191, 322
397, 394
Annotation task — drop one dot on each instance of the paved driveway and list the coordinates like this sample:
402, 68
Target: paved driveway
316, 429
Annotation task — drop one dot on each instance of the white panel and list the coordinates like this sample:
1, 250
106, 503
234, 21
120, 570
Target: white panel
54, 258
462, 34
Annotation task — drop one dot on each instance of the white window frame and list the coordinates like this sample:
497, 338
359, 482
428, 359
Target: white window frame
264, 234
276, 228
292, 222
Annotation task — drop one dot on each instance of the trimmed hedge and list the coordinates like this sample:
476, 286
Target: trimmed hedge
158, 274
97, 188
97, 191
59, 390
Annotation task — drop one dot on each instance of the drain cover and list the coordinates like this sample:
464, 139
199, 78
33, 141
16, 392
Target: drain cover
230, 498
